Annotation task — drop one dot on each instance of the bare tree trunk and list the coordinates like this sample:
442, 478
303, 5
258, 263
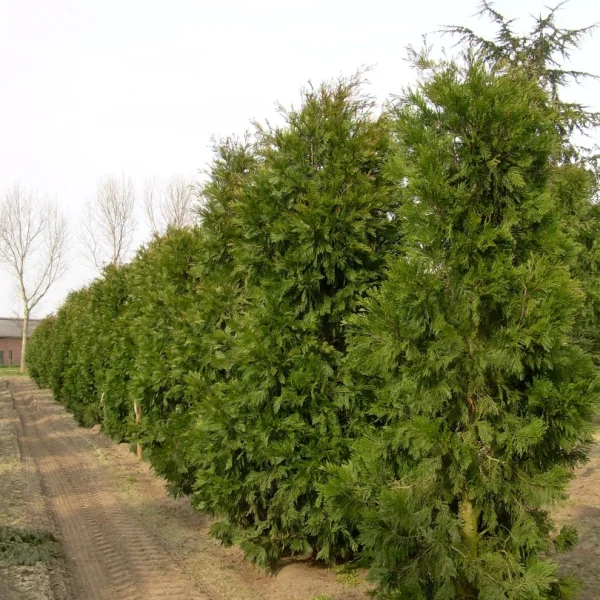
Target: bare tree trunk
169, 206
469, 520
23, 367
109, 222
138, 419
33, 244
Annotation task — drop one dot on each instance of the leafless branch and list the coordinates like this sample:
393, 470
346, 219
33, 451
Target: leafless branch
33, 245
109, 222
169, 207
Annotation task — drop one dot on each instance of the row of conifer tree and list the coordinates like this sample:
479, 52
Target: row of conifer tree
380, 343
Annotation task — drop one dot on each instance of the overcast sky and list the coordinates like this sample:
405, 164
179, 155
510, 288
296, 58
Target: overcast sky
94, 87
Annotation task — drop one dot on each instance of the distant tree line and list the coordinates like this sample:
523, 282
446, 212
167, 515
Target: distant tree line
35, 243
381, 342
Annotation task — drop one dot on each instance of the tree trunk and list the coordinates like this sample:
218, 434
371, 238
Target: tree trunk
24, 340
138, 419
469, 520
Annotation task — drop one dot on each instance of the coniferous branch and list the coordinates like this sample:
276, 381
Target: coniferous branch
542, 51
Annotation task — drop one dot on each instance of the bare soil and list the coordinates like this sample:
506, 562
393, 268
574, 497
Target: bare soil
123, 537
583, 511
22, 506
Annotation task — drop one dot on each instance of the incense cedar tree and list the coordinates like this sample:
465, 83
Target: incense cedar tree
482, 398
161, 286
316, 228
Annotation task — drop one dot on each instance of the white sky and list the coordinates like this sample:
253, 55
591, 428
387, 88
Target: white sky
93, 87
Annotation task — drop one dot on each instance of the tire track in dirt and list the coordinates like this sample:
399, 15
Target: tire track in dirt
110, 554
22, 507
132, 542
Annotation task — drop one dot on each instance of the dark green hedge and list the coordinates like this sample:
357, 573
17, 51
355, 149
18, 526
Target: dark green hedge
380, 341
39, 356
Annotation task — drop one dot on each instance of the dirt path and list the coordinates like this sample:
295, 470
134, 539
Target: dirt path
583, 511
111, 554
22, 508
123, 537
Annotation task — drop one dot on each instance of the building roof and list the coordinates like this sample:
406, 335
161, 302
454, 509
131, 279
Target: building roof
11, 327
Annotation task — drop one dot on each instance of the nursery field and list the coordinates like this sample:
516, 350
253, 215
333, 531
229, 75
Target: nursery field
120, 536
378, 344
113, 531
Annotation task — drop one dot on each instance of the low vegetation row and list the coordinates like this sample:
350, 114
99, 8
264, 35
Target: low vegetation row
380, 343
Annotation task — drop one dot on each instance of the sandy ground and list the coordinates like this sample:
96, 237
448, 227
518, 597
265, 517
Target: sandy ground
583, 511
22, 505
124, 538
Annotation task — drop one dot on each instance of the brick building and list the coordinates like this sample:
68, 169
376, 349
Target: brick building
11, 334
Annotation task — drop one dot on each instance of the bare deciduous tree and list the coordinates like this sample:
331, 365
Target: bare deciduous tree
109, 222
33, 245
171, 206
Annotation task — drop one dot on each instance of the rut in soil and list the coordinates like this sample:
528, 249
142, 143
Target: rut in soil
110, 554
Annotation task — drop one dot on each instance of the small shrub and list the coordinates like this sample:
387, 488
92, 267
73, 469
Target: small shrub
348, 574
26, 547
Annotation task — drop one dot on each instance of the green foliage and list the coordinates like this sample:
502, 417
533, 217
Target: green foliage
83, 354
108, 350
26, 547
39, 352
347, 574
482, 398
161, 290
316, 233
71, 374
567, 539
220, 291
382, 340
541, 52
